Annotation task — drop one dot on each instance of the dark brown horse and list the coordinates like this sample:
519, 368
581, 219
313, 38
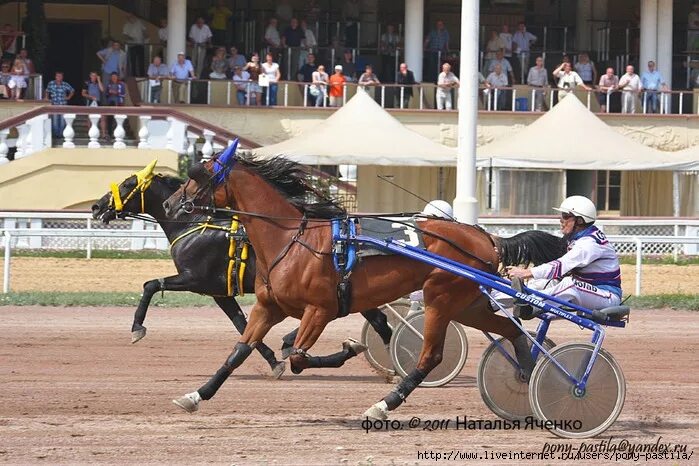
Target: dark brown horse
287, 222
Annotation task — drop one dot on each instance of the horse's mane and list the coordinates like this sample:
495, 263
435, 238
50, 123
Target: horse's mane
172, 182
531, 247
293, 181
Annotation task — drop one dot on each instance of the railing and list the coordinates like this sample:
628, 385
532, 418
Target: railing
35, 87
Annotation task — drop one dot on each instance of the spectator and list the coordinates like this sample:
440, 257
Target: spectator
93, 93
157, 71
390, 41
18, 79
28, 63
284, 12
504, 64
445, 83
312, 11
368, 78
8, 41
492, 47
630, 84
219, 65
58, 92
349, 69
586, 69
241, 80
506, 39
135, 33
293, 35
308, 42
652, 83
437, 46
4, 80
236, 59
255, 70
270, 70
200, 37
319, 86
113, 61
272, 38
693, 28
538, 77
116, 91
522, 40
219, 15
406, 79
495, 81
351, 14
608, 83
305, 73
181, 72
162, 37
567, 80
337, 87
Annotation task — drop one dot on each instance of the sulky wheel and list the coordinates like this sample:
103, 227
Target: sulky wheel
377, 353
501, 385
553, 396
406, 346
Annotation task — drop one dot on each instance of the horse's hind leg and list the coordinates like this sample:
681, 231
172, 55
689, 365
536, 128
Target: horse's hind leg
313, 323
232, 309
262, 318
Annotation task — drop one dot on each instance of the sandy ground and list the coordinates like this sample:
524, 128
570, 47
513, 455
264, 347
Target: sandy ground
49, 274
75, 391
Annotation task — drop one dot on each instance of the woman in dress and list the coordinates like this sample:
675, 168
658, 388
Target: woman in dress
18, 80
254, 70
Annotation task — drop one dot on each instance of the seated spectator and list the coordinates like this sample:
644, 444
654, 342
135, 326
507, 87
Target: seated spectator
157, 71
255, 70
4, 79
181, 72
116, 91
608, 83
93, 92
568, 80
446, 81
337, 87
406, 79
241, 80
272, 38
219, 65
236, 59
18, 79
630, 84
652, 82
349, 69
504, 64
319, 88
492, 47
28, 63
495, 82
538, 77
586, 69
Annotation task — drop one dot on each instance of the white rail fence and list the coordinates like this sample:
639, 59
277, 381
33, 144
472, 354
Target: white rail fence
78, 231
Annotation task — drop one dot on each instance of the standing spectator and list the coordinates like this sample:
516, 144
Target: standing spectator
162, 38
181, 72
568, 80
406, 79
28, 63
492, 47
200, 36
305, 74
8, 41
157, 71
351, 14
538, 77
270, 69
272, 38
241, 80
58, 92
630, 84
292, 35
113, 61
93, 93
308, 42
608, 83
349, 69
337, 87
255, 70
506, 38
504, 64
4, 80
445, 83
369, 78
284, 12
390, 41
219, 65
522, 40
319, 86
18, 79
586, 69
495, 82
135, 32
693, 28
236, 59
437, 46
652, 83
116, 91
220, 15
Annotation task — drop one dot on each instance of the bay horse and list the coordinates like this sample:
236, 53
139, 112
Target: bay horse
197, 242
288, 223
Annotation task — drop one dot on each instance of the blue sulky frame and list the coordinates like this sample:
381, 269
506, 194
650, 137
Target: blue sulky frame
488, 282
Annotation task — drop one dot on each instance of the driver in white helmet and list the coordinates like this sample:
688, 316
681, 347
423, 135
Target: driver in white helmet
439, 208
588, 274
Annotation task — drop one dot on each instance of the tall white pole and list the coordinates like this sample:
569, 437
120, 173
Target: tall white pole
176, 29
414, 32
466, 203
649, 34
665, 40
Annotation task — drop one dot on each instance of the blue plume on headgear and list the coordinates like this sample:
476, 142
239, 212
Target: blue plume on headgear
223, 164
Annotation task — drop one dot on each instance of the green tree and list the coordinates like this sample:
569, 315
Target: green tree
37, 33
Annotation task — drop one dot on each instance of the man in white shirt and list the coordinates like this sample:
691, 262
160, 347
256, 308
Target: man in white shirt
446, 81
568, 80
135, 33
495, 81
538, 77
506, 39
181, 72
200, 36
272, 38
630, 85
522, 41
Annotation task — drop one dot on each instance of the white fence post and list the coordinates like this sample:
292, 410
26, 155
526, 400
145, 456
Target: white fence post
639, 254
6, 271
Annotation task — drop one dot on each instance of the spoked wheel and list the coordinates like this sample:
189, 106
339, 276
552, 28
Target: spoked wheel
554, 397
377, 354
502, 387
406, 346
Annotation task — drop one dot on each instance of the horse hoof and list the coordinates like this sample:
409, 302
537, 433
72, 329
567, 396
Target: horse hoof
137, 335
278, 369
286, 351
354, 345
378, 412
188, 402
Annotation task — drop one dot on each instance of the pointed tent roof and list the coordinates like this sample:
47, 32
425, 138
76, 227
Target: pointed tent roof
569, 136
362, 133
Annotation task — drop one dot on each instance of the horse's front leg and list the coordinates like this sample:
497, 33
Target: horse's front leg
180, 282
262, 318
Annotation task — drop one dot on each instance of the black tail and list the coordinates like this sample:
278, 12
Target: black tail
530, 247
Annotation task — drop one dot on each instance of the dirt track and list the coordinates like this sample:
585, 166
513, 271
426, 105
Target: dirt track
74, 390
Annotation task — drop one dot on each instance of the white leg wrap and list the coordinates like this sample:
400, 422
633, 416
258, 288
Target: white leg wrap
379, 411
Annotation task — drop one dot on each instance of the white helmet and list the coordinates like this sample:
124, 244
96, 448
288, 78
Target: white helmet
580, 206
439, 208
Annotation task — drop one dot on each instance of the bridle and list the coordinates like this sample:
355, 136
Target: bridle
144, 178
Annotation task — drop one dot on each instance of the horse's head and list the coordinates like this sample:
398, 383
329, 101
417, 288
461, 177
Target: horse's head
126, 197
205, 186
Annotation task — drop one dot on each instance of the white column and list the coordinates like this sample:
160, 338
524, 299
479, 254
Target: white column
582, 25
207, 150
414, 36
649, 34
600, 13
176, 29
119, 132
4, 149
466, 202
93, 132
664, 56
